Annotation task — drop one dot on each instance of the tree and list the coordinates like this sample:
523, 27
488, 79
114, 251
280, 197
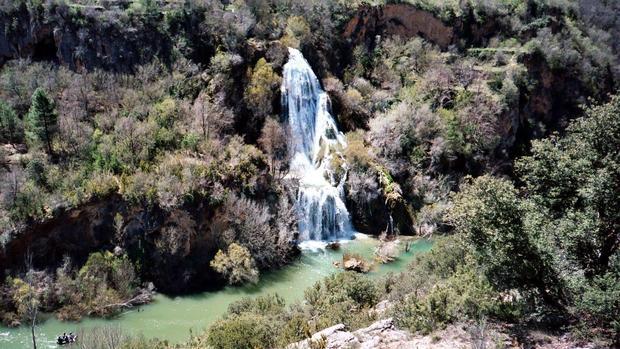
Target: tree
212, 117
32, 301
248, 224
260, 92
297, 32
74, 130
105, 337
490, 215
576, 179
9, 124
236, 264
26, 296
42, 120
273, 142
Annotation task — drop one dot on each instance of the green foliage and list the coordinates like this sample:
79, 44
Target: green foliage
261, 90
575, 181
236, 264
600, 301
42, 120
247, 331
558, 238
434, 117
10, 124
100, 287
455, 133
573, 184
464, 295
250, 323
146, 8
336, 296
265, 322
36, 172
297, 32
488, 212
444, 286
25, 296
29, 202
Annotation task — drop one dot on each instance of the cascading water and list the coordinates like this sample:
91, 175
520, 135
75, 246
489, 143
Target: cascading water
317, 161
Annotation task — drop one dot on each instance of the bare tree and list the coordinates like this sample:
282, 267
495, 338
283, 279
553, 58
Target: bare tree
31, 299
106, 337
273, 142
118, 228
478, 333
10, 186
211, 117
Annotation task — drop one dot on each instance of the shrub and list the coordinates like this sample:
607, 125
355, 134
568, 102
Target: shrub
248, 224
266, 305
236, 264
357, 151
259, 95
342, 298
297, 32
246, 331
600, 301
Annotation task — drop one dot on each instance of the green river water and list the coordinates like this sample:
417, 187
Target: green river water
172, 318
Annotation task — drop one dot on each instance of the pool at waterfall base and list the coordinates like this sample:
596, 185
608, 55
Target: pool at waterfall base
172, 318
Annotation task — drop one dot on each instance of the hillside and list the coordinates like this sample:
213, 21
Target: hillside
152, 141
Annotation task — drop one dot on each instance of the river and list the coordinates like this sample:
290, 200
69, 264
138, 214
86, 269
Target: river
172, 318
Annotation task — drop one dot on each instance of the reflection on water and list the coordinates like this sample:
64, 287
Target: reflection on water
172, 318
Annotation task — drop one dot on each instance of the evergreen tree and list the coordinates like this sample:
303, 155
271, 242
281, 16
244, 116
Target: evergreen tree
9, 124
42, 120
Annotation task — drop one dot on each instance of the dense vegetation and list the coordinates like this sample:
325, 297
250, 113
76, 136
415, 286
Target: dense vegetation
503, 145
543, 252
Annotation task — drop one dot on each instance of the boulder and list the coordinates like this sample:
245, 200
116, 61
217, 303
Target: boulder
355, 263
381, 334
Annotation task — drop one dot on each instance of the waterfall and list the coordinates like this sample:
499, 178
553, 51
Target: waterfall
316, 145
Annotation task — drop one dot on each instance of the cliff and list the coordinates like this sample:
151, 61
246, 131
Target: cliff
176, 246
397, 20
89, 37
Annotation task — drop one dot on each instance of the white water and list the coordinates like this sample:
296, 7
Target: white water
315, 143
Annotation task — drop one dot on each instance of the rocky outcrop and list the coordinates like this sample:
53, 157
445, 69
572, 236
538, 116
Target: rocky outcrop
21, 38
397, 20
89, 37
174, 247
381, 334
376, 204
384, 335
408, 21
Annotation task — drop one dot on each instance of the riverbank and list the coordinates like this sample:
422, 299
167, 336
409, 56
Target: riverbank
172, 318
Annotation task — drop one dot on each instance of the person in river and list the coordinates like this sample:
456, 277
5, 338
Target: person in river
65, 339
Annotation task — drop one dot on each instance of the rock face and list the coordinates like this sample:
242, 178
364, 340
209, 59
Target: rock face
90, 37
381, 209
177, 244
397, 20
